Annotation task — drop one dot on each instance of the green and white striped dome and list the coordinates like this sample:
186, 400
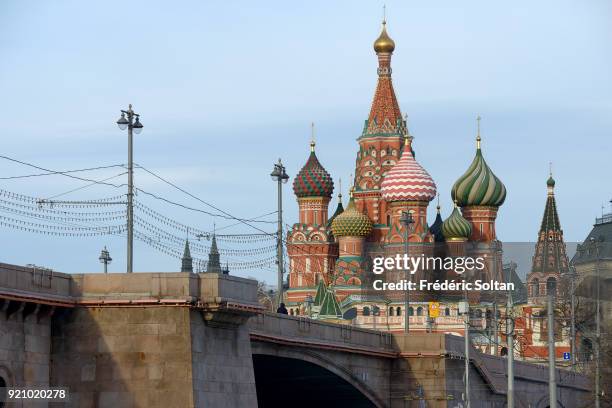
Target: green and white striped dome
478, 185
456, 227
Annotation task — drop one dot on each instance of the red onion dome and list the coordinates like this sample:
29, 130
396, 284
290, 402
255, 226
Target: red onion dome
313, 180
407, 180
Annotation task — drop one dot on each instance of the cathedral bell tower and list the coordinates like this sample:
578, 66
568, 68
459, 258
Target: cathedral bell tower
310, 243
380, 143
550, 258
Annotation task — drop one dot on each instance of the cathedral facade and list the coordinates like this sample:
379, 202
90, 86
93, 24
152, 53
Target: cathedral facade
330, 257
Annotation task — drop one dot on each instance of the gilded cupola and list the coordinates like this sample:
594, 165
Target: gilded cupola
384, 43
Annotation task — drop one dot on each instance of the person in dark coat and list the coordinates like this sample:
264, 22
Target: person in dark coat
282, 309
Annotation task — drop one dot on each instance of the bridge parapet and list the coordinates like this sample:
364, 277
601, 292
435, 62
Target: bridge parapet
35, 284
299, 331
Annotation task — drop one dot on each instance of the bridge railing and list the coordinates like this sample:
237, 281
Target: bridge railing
300, 331
31, 282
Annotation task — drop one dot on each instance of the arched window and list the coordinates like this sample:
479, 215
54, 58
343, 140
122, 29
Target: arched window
366, 311
478, 313
391, 311
551, 286
419, 311
398, 311
535, 287
410, 311
291, 312
447, 312
388, 220
376, 310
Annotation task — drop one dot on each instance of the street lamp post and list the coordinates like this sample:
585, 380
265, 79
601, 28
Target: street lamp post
130, 120
406, 220
105, 259
280, 176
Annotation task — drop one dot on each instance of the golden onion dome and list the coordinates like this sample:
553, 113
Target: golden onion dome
384, 43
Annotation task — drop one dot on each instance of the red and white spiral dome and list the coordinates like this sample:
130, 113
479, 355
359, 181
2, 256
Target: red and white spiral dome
408, 180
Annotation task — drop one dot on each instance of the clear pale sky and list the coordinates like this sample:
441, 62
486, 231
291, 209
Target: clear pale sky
225, 88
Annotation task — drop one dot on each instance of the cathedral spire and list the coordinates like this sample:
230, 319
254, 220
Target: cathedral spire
550, 220
214, 263
187, 260
550, 255
385, 115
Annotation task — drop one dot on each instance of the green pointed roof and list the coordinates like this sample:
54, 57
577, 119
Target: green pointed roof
320, 293
550, 220
436, 227
352, 222
456, 227
187, 260
339, 210
330, 308
214, 263
478, 185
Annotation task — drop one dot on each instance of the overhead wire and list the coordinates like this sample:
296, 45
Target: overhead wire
55, 173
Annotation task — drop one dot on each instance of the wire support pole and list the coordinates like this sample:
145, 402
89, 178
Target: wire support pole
552, 373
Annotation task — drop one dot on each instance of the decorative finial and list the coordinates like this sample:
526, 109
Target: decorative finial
406, 124
478, 134
551, 181
312, 137
438, 206
384, 14
340, 189
456, 203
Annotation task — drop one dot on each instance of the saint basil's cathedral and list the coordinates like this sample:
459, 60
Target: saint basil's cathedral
330, 257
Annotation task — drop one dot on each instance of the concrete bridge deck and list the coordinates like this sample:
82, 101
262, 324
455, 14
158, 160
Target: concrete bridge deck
191, 340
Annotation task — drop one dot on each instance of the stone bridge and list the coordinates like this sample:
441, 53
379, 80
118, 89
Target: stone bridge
202, 340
